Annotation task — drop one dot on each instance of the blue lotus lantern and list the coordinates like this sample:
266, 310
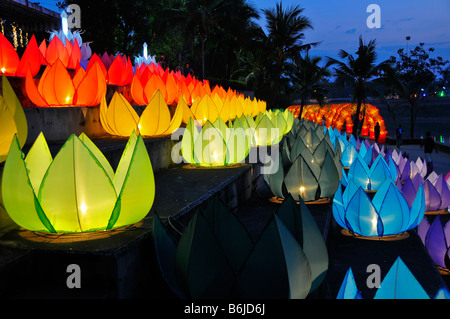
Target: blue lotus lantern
370, 178
387, 214
399, 283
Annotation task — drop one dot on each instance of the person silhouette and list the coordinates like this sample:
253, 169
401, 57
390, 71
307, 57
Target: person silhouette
377, 132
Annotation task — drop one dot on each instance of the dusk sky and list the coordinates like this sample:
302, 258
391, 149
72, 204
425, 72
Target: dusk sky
338, 24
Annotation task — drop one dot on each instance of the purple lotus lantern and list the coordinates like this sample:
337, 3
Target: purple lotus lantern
436, 189
436, 239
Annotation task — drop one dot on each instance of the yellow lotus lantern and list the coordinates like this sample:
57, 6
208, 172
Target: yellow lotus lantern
205, 109
77, 191
120, 118
12, 119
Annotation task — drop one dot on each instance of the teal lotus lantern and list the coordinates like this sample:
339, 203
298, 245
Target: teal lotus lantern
216, 257
308, 167
387, 214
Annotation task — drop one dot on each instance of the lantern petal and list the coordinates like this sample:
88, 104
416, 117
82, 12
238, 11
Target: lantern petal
400, 283
200, 263
76, 193
237, 144
443, 189
190, 135
8, 57
32, 91
361, 215
12, 119
30, 59
135, 183
300, 274
177, 119
137, 92
91, 88
301, 181
56, 51
275, 178
38, 161
116, 71
165, 247
348, 289
436, 242
329, 177
121, 116
97, 154
57, 85
19, 198
104, 117
432, 197
392, 208
155, 119
300, 223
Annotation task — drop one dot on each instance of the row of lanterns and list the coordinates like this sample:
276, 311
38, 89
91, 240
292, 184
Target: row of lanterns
338, 115
73, 76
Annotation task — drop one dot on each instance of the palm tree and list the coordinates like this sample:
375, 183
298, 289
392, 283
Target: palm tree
308, 76
200, 21
285, 38
358, 73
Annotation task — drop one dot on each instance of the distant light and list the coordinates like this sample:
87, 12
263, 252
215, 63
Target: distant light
3, 70
145, 50
65, 26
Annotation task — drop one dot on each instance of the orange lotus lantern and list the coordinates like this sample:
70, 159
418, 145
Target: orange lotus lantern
11, 65
121, 71
68, 54
143, 87
57, 88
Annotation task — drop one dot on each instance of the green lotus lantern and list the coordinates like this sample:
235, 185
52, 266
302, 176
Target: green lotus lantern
216, 257
77, 191
270, 127
215, 144
308, 166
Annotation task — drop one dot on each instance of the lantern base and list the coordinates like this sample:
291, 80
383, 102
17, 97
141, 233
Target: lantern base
437, 212
400, 236
192, 166
60, 238
279, 200
443, 271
